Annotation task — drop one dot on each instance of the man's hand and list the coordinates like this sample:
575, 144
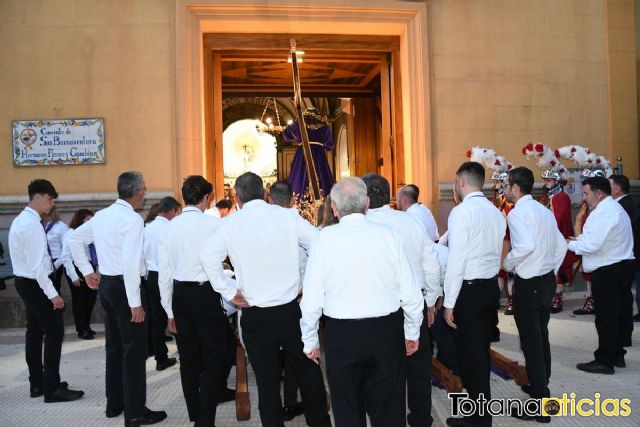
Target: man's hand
439, 303
448, 317
411, 346
171, 324
314, 355
93, 280
137, 314
239, 300
58, 302
431, 316
76, 283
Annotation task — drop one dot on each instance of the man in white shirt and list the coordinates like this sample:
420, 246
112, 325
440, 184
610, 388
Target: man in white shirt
537, 250
476, 230
360, 278
262, 242
168, 208
423, 258
117, 233
32, 267
194, 308
55, 229
606, 246
408, 202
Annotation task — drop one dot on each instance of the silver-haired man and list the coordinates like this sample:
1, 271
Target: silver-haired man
359, 276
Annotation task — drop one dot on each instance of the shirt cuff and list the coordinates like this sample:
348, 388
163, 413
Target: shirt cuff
134, 300
411, 333
572, 247
86, 270
50, 291
311, 343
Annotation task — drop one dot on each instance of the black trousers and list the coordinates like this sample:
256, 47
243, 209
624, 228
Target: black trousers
443, 338
265, 331
157, 318
419, 380
200, 322
230, 353
366, 361
473, 314
531, 310
289, 384
613, 306
42, 321
83, 299
126, 348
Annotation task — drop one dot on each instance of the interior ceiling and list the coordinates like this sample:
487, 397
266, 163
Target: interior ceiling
267, 73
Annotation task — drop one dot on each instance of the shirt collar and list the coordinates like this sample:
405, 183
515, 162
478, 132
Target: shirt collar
124, 203
523, 198
252, 203
161, 219
354, 217
380, 209
190, 209
473, 194
604, 201
33, 212
620, 198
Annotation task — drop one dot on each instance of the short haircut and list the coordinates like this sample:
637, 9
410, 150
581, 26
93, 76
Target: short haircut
522, 176
194, 188
411, 192
598, 183
41, 186
377, 189
473, 172
78, 217
350, 195
129, 183
621, 181
281, 193
168, 204
224, 204
249, 186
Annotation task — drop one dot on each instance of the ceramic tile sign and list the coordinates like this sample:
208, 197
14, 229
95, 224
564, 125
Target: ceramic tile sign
58, 142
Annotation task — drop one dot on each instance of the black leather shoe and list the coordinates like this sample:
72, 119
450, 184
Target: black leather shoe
164, 364
113, 412
620, 363
149, 417
85, 335
36, 391
226, 395
527, 389
63, 394
290, 412
458, 422
167, 338
595, 367
636, 318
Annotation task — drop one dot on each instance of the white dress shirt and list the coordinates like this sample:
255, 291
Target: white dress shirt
54, 238
418, 247
476, 234
537, 246
179, 252
425, 217
117, 233
358, 269
607, 237
262, 242
153, 233
28, 248
67, 260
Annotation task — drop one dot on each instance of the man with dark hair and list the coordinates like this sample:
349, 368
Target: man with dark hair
620, 191
262, 242
168, 208
281, 194
117, 233
408, 202
193, 307
421, 252
537, 250
32, 267
224, 207
606, 246
471, 290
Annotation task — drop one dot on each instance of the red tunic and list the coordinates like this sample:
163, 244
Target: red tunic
560, 205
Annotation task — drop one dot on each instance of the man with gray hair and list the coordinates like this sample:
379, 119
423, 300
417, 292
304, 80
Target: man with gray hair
360, 278
117, 233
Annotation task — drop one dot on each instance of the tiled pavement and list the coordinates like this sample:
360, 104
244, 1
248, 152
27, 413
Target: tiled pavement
572, 339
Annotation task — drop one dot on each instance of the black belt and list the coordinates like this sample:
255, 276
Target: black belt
106, 276
614, 265
188, 283
479, 281
365, 318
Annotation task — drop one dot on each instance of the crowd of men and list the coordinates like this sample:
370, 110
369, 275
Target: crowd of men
373, 286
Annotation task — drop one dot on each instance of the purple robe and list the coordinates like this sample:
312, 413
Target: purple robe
298, 176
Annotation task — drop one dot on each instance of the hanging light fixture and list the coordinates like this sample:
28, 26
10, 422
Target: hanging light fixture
266, 123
